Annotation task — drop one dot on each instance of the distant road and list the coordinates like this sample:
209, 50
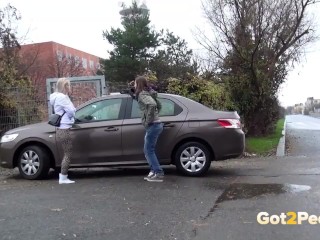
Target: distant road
303, 135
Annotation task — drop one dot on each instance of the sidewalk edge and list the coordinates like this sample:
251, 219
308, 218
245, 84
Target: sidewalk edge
281, 149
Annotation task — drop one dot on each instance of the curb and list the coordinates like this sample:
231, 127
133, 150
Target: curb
281, 149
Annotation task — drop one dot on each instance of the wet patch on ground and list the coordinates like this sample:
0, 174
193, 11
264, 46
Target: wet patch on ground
246, 191
240, 191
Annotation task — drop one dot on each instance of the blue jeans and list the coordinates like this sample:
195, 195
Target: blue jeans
150, 140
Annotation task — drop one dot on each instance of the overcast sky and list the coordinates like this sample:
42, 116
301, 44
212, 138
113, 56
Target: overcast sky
79, 24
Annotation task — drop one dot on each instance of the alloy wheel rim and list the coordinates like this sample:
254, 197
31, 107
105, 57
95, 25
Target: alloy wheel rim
30, 162
193, 159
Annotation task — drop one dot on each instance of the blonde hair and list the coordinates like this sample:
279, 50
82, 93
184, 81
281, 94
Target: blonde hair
61, 85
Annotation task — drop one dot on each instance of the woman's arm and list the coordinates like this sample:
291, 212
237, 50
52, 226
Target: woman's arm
67, 106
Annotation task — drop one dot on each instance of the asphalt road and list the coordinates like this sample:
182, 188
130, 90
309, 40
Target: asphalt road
303, 135
224, 204
107, 204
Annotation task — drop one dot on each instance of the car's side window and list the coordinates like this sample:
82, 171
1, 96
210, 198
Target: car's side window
169, 108
100, 111
135, 111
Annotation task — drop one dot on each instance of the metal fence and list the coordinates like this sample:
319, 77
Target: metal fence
22, 106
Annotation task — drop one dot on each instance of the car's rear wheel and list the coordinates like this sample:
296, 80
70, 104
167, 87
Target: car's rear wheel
33, 162
193, 159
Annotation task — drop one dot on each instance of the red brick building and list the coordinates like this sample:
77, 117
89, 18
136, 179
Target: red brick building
54, 60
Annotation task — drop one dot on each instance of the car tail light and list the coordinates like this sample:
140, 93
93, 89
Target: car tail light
229, 123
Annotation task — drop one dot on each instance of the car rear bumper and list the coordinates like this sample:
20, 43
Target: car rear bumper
6, 156
231, 145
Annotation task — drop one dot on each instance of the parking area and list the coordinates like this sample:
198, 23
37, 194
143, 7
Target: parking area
118, 204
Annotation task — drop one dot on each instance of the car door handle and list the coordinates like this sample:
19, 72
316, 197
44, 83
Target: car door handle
111, 129
168, 125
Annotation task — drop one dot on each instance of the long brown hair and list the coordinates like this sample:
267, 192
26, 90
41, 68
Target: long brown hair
142, 84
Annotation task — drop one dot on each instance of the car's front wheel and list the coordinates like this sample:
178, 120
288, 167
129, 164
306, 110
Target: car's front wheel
192, 159
33, 162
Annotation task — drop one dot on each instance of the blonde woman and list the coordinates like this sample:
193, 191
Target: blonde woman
63, 106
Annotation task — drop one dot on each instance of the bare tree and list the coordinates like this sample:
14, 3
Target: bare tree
9, 45
16, 92
207, 67
254, 44
282, 25
38, 68
67, 66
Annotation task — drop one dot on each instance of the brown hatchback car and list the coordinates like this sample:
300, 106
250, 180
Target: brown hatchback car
108, 132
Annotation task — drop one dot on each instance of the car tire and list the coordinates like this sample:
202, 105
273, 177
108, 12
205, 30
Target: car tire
33, 162
193, 159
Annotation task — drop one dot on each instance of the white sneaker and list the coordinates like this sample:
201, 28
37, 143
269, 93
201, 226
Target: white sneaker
151, 173
63, 179
67, 181
155, 178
